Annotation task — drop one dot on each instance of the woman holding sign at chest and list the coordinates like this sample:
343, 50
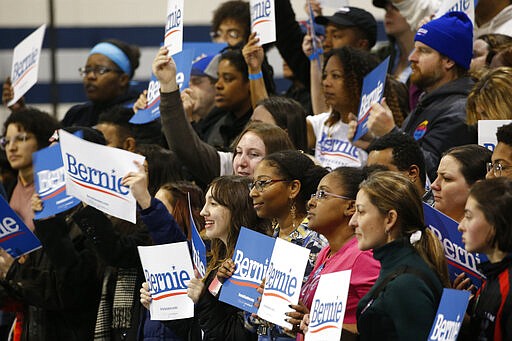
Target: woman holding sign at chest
329, 212
486, 228
227, 208
389, 220
342, 79
283, 183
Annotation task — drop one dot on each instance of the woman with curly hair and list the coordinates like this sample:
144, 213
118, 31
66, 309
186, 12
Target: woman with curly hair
343, 74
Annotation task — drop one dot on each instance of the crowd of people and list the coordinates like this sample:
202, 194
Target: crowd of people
285, 165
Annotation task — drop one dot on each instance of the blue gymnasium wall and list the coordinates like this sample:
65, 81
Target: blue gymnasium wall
81, 24
145, 37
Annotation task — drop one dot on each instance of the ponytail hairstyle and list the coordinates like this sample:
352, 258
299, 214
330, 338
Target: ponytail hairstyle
389, 190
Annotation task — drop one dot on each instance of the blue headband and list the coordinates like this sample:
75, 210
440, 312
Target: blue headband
115, 54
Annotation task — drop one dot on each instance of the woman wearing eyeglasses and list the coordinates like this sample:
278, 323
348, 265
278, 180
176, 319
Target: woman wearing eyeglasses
106, 76
25, 132
329, 212
283, 183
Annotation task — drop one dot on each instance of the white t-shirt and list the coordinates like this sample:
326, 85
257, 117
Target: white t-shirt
332, 148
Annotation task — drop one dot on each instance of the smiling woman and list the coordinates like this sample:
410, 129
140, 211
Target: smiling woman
228, 207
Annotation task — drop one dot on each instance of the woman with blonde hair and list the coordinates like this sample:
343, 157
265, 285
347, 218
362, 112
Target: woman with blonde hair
389, 220
491, 97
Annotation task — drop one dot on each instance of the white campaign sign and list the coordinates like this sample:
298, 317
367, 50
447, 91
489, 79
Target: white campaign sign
487, 132
328, 308
173, 38
25, 63
93, 174
168, 269
334, 3
466, 6
283, 282
263, 20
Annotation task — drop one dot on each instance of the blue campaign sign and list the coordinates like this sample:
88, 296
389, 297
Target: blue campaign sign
198, 247
450, 315
458, 259
204, 48
50, 183
183, 62
252, 255
152, 111
15, 237
372, 92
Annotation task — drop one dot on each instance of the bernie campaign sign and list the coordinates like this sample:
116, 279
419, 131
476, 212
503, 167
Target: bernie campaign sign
25, 63
252, 258
152, 111
168, 270
328, 308
450, 315
15, 237
94, 174
198, 247
50, 182
372, 92
458, 259
283, 282
173, 38
263, 20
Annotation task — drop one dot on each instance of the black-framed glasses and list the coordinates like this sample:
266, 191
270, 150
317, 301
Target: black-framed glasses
260, 185
232, 33
497, 168
21, 137
321, 194
97, 70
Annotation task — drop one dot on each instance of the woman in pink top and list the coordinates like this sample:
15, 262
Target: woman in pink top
329, 212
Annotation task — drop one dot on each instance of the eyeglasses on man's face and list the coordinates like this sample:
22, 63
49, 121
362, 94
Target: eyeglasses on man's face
260, 185
19, 138
96, 70
497, 168
321, 194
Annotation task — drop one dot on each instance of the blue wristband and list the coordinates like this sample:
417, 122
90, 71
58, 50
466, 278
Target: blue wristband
313, 56
255, 76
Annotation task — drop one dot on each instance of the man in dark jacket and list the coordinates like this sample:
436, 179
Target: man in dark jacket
441, 57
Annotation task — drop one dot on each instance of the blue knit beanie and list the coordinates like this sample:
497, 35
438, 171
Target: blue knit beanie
450, 35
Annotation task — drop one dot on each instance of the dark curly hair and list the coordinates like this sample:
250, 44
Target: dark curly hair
34, 121
236, 10
295, 165
405, 150
356, 65
504, 134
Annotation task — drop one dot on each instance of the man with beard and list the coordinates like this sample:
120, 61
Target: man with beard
440, 60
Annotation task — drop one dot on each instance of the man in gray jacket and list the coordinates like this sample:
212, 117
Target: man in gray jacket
440, 60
